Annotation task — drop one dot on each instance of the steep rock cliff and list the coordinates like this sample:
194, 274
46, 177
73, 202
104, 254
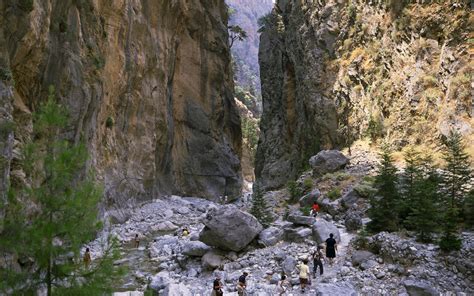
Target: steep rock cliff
148, 85
333, 71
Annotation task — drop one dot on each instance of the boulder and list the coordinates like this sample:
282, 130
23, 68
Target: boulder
353, 221
212, 260
176, 290
308, 199
322, 229
160, 281
336, 289
327, 161
359, 257
297, 234
270, 236
368, 264
229, 228
288, 265
419, 288
301, 220
165, 226
195, 248
332, 207
349, 198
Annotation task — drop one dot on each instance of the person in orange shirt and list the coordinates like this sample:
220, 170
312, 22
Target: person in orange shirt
314, 209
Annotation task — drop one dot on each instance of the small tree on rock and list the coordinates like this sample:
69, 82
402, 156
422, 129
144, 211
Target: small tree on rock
236, 33
383, 211
259, 208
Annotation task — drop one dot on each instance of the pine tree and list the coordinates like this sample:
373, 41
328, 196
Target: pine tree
457, 175
424, 202
407, 187
259, 208
383, 211
48, 223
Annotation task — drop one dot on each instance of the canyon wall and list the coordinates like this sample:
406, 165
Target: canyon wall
335, 71
148, 85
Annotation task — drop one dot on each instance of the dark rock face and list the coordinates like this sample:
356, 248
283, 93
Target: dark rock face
148, 85
329, 76
228, 228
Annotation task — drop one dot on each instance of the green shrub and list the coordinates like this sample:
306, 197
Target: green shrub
294, 190
5, 74
308, 183
339, 176
334, 193
305, 210
109, 122
99, 62
365, 189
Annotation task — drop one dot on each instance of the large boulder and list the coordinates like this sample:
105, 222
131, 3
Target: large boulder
160, 281
271, 236
349, 198
327, 161
297, 234
301, 220
308, 199
195, 248
359, 257
336, 289
288, 265
176, 290
322, 229
229, 228
419, 288
353, 221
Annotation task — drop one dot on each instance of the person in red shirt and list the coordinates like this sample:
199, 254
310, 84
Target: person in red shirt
315, 209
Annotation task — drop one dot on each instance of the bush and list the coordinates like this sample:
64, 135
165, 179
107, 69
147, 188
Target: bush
306, 210
339, 176
294, 190
365, 189
5, 74
26, 5
308, 183
109, 122
334, 193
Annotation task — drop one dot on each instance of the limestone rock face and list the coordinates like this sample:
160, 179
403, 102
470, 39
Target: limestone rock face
148, 86
229, 228
334, 71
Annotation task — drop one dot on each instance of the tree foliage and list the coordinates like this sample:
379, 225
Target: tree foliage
236, 33
383, 211
260, 208
48, 223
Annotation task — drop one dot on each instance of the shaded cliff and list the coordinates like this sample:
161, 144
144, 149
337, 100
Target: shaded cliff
148, 85
335, 71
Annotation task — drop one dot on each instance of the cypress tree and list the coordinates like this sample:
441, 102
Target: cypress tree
259, 208
383, 211
424, 214
49, 222
457, 174
407, 187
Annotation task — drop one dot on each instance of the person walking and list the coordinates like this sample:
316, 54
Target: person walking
87, 258
282, 286
136, 241
331, 248
242, 284
317, 261
304, 273
314, 209
217, 287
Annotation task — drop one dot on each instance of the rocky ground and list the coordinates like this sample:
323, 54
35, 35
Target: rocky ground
383, 264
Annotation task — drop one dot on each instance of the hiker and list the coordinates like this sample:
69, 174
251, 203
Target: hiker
317, 261
217, 287
304, 271
282, 286
137, 241
242, 284
87, 258
314, 209
185, 232
331, 248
